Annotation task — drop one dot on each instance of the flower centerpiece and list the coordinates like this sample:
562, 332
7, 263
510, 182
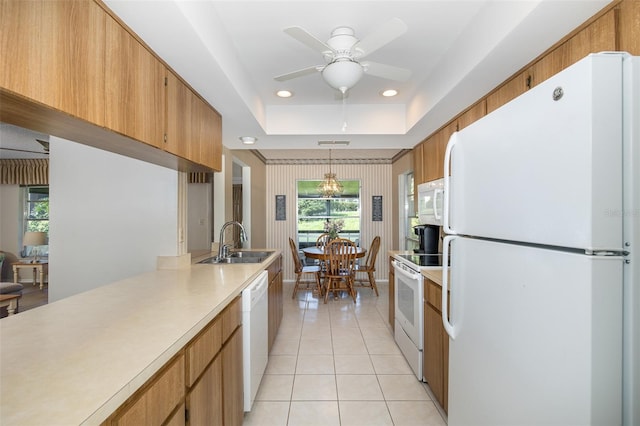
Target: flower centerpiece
333, 227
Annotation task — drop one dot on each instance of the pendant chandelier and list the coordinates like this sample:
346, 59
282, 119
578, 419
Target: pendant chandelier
330, 186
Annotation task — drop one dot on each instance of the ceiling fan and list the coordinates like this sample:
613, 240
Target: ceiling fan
44, 144
343, 52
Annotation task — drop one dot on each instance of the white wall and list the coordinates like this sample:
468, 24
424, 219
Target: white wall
111, 216
10, 211
199, 216
375, 179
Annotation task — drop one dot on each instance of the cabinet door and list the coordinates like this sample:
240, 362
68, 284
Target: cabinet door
232, 380
509, 90
473, 114
231, 318
153, 404
179, 117
203, 349
205, 399
418, 166
178, 417
211, 151
207, 146
134, 87
392, 297
53, 53
433, 361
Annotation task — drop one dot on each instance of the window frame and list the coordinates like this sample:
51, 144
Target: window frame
27, 218
351, 234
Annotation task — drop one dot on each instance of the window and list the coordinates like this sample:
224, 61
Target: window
36, 214
410, 218
314, 211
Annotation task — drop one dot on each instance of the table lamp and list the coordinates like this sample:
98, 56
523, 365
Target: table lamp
34, 239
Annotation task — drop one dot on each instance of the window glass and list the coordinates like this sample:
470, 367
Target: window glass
36, 215
314, 211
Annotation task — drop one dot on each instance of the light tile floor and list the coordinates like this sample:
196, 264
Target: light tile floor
337, 364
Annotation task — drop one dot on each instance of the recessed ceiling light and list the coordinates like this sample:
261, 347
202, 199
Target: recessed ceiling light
389, 92
284, 93
248, 140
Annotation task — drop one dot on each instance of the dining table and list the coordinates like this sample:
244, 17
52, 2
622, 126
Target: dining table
318, 252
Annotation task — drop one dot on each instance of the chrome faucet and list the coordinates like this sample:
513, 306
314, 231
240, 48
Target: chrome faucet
223, 249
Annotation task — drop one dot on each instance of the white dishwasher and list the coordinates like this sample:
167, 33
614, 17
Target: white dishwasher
255, 332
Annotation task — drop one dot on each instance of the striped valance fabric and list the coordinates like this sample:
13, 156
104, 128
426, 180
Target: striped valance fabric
24, 171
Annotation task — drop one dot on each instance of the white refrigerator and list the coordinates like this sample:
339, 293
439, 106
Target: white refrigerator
542, 213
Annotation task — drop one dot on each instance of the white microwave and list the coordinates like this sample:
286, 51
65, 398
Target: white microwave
430, 202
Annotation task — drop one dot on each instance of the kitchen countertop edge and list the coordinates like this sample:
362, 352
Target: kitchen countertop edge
56, 377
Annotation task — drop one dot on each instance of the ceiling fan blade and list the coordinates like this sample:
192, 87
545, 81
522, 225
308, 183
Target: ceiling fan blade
307, 39
299, 73
25, 150
386, 71
383, 35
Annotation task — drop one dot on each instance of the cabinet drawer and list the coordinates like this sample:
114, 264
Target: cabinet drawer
203, 349
433, 294
231, 318
157, 400
274, 268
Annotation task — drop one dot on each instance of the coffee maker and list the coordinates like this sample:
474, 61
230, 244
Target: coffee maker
428, 237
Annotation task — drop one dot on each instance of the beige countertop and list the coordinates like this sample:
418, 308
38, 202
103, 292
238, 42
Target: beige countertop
77, 360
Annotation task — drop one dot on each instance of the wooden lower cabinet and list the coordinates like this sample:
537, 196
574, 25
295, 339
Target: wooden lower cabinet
204, 401
392, 295
436, 344
232, 381
178, 418
155, 402
275, 297
201, 385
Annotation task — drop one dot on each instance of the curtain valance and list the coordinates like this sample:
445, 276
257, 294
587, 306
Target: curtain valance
22, 171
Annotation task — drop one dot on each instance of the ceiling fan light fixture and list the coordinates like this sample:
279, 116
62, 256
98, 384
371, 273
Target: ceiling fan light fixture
248, 140
284, 93
342, 74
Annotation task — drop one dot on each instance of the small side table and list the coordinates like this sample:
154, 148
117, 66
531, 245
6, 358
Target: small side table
38, 269
11, 301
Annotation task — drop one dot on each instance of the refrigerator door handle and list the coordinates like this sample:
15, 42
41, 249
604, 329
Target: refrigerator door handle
448, 327
447, 188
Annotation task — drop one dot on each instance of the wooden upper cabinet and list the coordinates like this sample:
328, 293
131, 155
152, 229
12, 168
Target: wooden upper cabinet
194, 129
179, 116
211, 142
473, 114
135, 91
54, 54
417, 172
513, 88
431, 158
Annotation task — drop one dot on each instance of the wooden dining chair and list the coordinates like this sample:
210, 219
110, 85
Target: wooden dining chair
340, 255
301, 270
322, 240
369, 266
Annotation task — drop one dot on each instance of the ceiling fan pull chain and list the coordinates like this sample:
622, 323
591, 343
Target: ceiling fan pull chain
344, 112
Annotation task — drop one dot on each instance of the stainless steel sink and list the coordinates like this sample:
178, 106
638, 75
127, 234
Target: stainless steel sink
240, 256
250, 253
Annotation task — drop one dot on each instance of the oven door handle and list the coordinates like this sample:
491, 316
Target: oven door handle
402, 271
448, 327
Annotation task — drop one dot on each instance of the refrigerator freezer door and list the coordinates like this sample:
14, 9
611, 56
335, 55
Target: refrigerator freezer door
546, 168
539, 336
